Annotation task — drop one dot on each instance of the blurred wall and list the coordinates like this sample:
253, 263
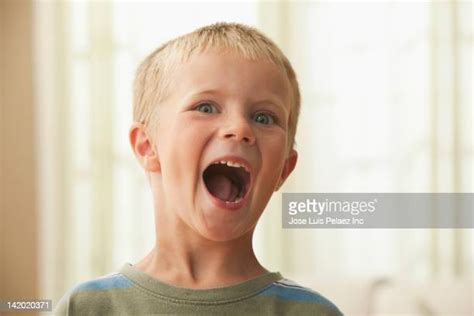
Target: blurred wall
18, 216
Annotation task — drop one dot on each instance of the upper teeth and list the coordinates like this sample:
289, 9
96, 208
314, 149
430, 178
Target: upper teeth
232, 164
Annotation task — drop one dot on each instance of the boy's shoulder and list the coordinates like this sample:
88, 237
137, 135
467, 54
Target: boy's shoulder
301, 299
290, 290
93, 295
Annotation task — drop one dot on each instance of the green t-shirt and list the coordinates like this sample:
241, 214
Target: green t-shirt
133, 292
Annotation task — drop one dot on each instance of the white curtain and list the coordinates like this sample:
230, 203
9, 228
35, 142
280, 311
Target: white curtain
387, 107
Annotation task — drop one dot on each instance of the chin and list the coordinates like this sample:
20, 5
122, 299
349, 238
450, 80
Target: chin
221, 232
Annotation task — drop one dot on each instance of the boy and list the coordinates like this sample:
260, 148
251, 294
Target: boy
215, 116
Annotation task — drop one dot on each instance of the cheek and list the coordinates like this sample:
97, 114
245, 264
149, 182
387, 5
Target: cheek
179, 151
274, 150
185, 152
273, 157
190, 140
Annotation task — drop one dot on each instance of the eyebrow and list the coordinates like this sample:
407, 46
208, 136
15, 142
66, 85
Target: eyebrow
217, 92
207, 91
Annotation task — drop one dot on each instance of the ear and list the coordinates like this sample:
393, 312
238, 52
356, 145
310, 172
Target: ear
290, 164
143, 149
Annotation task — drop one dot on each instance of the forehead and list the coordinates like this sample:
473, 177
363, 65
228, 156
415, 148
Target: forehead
232, 75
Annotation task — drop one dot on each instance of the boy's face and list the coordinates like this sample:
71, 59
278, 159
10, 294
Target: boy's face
222, 107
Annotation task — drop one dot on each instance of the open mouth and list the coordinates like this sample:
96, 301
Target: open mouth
227, 181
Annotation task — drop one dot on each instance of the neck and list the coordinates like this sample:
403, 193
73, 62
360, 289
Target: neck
201, 263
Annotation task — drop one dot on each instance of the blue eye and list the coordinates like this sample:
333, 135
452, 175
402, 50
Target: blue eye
206, 108
264, 118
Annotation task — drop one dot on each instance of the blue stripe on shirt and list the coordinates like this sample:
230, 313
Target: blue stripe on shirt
293, 293
111, 282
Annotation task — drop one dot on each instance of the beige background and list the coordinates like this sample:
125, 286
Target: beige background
18, 248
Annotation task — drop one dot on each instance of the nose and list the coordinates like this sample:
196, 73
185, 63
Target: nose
238, 128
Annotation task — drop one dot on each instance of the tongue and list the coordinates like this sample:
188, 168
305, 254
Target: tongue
222, 187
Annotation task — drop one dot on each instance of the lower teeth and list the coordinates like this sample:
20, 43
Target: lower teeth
236, 201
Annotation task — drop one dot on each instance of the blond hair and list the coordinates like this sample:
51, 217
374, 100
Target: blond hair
152, 78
